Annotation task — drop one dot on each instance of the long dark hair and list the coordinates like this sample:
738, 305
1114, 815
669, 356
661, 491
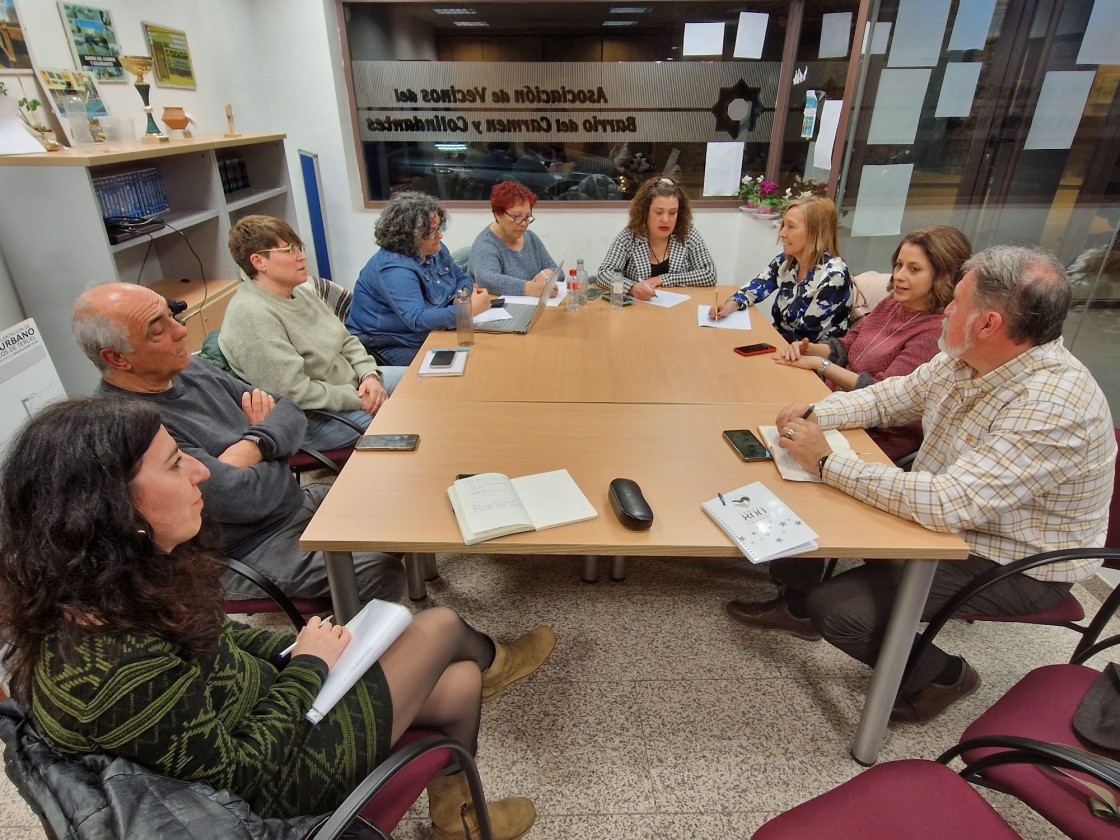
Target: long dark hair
76, 557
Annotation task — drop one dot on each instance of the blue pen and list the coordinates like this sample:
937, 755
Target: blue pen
722, 501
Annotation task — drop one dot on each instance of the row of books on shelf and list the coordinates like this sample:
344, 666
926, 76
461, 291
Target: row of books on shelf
233, 173
139, 193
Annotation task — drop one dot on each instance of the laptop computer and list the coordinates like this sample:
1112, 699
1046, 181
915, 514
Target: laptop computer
524, 314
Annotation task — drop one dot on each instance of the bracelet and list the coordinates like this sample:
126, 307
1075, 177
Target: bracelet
375, 374
820, 465
824, 366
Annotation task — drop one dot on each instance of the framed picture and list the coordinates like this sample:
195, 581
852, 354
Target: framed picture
57, 82
13, 46
171, 57
93, 40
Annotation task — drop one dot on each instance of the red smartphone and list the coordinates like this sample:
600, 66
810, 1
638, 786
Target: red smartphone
755, 349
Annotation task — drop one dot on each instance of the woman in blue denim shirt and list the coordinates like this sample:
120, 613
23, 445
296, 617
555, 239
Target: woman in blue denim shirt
408, 288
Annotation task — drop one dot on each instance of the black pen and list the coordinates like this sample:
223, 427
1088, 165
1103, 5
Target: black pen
805, 416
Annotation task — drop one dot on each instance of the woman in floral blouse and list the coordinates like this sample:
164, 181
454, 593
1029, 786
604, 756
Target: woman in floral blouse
812, 281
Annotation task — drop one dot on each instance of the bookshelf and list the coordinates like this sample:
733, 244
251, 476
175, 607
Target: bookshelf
56, 245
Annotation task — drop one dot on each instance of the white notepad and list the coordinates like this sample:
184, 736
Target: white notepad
760, 524
785, 462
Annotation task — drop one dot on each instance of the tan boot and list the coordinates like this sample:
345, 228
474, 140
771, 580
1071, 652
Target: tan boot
517, 660
454, 818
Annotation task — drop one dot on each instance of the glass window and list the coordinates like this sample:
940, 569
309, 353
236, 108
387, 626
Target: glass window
578, 101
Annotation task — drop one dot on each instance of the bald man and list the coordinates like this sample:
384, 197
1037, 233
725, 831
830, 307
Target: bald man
243, 435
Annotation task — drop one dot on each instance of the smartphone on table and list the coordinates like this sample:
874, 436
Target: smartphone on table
749, 447
755, 349
442, 358
387, 443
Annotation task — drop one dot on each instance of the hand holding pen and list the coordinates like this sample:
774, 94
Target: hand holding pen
320, 638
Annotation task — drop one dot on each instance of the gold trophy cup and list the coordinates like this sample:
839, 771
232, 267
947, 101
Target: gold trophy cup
140, 66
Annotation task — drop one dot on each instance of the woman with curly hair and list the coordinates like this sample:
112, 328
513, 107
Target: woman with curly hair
507, 258
408, 288
110, 602
660, 246
813, 284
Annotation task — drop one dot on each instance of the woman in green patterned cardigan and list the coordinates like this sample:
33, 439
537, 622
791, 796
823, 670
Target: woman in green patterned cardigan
111, 604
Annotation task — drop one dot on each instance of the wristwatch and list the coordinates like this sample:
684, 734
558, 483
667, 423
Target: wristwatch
820, 465
824, 366
264, 444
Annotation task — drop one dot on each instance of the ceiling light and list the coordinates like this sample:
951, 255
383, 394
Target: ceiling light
620, 23
629, 10
470, 23
455, 11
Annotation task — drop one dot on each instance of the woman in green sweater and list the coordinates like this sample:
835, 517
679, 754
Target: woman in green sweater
111, 606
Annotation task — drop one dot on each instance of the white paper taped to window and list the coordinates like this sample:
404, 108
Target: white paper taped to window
958, 89
881, 199
1101, 44
835, 29
722, 165
1060, 105
703, 39
750, 35
970, 29
826, 139
898, 105
913, 45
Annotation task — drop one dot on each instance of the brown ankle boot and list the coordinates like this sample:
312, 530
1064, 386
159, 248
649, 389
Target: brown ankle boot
517, 660
454, 818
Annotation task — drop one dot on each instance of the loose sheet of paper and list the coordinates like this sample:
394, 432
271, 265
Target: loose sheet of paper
740, 320
665, 299
531, 300
492, 315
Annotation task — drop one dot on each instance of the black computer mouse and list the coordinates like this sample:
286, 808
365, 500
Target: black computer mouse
629, 505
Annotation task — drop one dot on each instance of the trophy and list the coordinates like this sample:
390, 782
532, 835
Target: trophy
140, 66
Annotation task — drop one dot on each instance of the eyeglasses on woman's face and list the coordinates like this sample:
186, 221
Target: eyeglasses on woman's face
437, 230
520, 220
291, 250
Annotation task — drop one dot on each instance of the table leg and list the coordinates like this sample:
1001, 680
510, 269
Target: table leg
415, 567
431, 572
590, 568
618, 568
344, 585
913, 591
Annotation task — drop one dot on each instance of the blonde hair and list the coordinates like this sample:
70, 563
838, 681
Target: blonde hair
822, 236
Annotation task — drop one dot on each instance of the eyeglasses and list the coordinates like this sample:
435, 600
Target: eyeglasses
287, 249
521, 220
434, 232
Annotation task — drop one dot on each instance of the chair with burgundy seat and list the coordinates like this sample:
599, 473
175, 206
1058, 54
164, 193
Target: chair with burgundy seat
1067, 614
273, 599
899, 800
1041, 707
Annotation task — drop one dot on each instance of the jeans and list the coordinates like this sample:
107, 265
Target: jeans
324, 433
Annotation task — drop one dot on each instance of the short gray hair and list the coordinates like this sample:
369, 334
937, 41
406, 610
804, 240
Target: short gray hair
406, 219
94, 331
1027, 285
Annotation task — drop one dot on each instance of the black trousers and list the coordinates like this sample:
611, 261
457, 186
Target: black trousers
851, 610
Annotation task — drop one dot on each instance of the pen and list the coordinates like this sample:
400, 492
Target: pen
805, 416
722, 501
292, 646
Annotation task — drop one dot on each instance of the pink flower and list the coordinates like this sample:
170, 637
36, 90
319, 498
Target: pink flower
768, 188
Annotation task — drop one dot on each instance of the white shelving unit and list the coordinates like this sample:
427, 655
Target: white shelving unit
56, 245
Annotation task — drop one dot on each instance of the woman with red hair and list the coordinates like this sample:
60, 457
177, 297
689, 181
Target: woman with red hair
507, 258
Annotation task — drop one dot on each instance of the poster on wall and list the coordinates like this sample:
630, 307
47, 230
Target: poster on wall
28, 379
93, 40
171, 56
13, 46
57, 82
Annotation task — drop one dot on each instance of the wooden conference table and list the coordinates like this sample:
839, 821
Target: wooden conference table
518, 410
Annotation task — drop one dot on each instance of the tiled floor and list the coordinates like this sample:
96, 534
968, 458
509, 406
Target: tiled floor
657, 716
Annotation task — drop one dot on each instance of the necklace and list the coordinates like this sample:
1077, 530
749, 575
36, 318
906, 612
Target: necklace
863, 352
664, 255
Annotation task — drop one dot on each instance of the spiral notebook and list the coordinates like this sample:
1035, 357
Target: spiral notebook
760, 524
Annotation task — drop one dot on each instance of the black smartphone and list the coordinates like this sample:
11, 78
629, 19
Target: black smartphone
442, 358
497, 303
748, 446
755, 349
391, 443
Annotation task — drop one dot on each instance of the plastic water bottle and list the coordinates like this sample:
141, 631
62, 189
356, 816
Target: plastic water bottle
74, 107
617, 287
581, 275
573, 290
464, 317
